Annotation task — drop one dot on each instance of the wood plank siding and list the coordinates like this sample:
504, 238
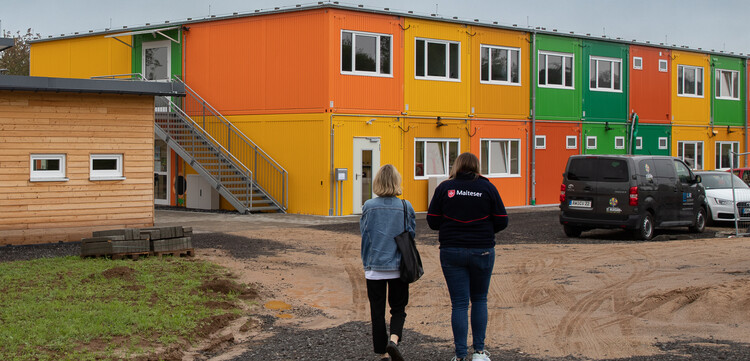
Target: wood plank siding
76, 125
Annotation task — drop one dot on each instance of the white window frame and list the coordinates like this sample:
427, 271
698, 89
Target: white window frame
734, 146
447, 44
546, 77
665, 144
568, 138
681, 68
378, 71
735, 77
543, 138
665, 67
99, 175
637, 63
681, 145
509, 173
446, 155
615, 62
621, 140
47, 175
589, 138
509, 65
638, 142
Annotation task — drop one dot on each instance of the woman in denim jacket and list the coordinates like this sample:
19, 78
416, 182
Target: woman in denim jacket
382, 220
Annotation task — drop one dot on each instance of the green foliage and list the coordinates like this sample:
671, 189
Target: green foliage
16, 59
66, 308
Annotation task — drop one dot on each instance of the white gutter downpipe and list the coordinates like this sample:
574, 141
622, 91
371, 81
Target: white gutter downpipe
534, 69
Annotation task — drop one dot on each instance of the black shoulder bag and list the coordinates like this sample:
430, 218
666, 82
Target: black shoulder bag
411, 264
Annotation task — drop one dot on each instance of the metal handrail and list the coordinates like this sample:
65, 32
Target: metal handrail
132, 76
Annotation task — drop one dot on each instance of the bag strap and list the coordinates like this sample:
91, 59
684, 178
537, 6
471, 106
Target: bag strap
405, 225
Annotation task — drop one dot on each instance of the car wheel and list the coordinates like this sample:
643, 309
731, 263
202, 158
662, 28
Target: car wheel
699, 224
646, 230
571, 231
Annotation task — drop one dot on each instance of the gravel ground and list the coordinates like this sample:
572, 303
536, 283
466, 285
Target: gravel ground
351, 340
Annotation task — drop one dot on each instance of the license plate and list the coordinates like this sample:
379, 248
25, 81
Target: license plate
580, 203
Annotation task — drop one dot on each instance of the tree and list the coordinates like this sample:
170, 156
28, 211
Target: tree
16, 59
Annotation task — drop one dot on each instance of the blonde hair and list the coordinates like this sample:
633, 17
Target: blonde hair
387, 182
465, 163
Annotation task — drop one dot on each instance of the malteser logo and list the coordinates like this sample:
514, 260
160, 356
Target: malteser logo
459, 192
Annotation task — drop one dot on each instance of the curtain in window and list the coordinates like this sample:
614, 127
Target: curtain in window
434, 158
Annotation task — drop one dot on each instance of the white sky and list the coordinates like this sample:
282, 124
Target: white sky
707, 24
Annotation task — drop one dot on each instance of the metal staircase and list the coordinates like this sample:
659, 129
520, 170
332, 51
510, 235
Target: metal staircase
233, 164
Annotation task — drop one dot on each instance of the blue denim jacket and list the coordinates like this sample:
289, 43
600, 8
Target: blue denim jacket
382, 219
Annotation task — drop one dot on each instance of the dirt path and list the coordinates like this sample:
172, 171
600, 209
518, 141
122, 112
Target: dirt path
596, 301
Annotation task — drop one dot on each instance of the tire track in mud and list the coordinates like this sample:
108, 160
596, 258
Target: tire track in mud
577, 330
348, 256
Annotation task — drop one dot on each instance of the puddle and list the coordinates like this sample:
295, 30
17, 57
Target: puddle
279, 306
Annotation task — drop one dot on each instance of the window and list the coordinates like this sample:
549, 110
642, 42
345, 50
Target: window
47, 167
724, 159
500, 65
437, 59
500, 157
663, 66
605, 74
556, 70
638, 142
691, 153
571, 142
619, 142
365, 53
637, 62
434, 157
663, 143
540, 142
690, 81
105, 167
727, 84
591, 142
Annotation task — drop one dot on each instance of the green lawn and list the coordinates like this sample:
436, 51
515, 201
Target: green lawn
99, 309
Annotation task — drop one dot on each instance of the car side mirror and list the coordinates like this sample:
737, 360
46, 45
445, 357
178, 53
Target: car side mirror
697, 179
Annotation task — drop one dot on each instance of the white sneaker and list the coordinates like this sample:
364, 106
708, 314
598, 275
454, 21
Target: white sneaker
481, 356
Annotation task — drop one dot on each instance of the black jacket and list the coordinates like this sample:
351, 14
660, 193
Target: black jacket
467, 212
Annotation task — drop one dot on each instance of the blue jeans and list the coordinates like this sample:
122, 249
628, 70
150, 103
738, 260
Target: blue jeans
467, 273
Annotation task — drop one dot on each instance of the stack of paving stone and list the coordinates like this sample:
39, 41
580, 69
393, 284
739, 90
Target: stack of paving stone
134, 242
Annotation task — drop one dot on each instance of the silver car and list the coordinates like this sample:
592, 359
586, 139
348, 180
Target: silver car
719, 196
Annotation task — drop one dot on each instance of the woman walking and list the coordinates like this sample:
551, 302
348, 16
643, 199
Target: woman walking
468, 211
383, 218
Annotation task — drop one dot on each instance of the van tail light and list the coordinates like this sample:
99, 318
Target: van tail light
633, 196
562, 193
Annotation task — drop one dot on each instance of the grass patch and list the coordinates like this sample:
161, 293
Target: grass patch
97, 309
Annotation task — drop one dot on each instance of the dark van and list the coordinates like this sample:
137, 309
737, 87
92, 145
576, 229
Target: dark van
632, 192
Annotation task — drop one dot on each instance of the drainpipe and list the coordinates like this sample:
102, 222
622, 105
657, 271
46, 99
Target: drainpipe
747, 149
533, 117
712, 98
332, 176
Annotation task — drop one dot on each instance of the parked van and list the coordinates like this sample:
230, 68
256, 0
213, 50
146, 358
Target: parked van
631, 192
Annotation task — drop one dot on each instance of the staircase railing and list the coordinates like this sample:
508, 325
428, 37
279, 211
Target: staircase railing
267, 175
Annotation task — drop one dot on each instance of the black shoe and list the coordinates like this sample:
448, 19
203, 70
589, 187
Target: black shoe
393, 350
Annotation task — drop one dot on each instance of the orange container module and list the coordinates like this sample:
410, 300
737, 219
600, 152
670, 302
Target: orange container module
650, 71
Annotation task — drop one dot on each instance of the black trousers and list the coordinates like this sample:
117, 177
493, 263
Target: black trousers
398, 297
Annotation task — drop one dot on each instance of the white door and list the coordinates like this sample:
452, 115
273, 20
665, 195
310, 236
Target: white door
156, 66
365, 163
161, 172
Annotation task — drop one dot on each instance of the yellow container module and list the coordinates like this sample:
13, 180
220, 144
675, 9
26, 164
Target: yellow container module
83, 57
691, 88
436, 68
501, 70
702, 147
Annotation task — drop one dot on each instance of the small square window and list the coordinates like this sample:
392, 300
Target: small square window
663, 143
105, 167
637, 62
591, 142
571, 142
663, 65
47, 168
541, 142
619, 142
639, 143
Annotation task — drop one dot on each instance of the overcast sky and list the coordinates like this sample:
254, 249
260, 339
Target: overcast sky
712, 24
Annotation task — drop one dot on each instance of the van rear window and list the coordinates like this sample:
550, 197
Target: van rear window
598, 169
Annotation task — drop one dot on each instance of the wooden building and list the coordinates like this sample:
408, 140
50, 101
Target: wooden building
76, 155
